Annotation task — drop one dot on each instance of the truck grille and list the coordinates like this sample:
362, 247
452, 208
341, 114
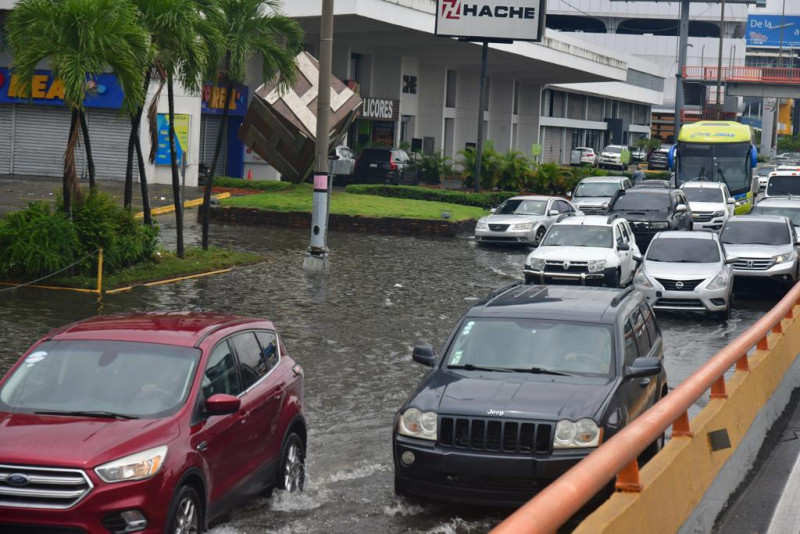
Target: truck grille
42, 487
480, 434
679, 303
702, 216
593, 210
753, 264
555, 267
685, 285
498, 227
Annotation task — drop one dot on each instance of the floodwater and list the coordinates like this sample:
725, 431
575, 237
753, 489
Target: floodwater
352, 330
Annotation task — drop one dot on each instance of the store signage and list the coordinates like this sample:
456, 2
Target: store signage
517, 20
181, 138
102, 91
767, 31
380, 109
409, 84
213, 101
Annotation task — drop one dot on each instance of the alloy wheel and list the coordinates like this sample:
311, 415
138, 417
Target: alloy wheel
293, 469
187, 520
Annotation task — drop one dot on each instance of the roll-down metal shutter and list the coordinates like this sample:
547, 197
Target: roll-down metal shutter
6, 114
40, 139
209, 129
109, 133
551, 150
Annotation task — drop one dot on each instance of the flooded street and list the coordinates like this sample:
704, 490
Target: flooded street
353, 331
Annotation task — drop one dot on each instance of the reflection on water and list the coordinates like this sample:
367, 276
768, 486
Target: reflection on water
352, 330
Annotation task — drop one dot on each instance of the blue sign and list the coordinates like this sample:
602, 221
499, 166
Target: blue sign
214, 98
163, 156
102, 91
765, 30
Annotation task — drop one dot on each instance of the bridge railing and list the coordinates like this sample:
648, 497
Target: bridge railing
771, 75
559, 501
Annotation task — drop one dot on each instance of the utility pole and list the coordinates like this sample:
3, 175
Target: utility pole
481, 107
719, 59
316, 259
682, 46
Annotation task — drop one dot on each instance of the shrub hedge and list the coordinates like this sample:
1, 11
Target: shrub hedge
261, 185
480, 200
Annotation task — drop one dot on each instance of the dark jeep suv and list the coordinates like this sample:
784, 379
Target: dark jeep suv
650, 211
384, 165
531, 381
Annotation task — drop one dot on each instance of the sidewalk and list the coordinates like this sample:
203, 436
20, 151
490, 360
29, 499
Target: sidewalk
16, 191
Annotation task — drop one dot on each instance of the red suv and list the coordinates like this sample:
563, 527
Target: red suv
147, 423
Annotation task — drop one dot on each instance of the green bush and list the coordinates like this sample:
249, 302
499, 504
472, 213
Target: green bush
480, 200
261, 185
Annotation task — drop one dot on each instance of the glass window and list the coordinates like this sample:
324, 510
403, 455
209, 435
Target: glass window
650, 321
220, 375
756, 233
643, 201
631, 352
269, 348
625, 234
640, 331
520, 206
569, 235
516, 344
596, 189
251, 365
783, 185
683, 250
705, 194
728, 163
563, 207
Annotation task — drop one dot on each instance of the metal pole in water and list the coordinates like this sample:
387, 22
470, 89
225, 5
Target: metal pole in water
317, 257
481, 107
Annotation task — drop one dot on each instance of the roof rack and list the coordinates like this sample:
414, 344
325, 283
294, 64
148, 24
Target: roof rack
502, 289
621, 295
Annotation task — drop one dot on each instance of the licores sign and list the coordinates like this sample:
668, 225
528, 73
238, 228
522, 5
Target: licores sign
516, 20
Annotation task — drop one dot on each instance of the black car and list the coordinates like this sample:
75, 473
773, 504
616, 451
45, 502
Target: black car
654, 184
650, 211
384, 166
531, 381
659, 159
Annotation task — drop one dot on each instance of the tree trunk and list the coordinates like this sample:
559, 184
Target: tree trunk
136, 119
127, 198
88, 145
70, 185
142, 171
176, 184
209, 181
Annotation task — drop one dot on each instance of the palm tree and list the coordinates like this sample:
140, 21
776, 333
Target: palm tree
249, 28
79, 39
182, 40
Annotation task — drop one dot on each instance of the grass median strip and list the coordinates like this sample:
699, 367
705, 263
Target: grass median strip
300, 198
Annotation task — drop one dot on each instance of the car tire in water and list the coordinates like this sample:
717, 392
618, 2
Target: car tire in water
292, 470
539, 236
655, 447
185, 512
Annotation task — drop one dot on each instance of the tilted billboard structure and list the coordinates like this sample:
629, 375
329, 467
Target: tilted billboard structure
281, 126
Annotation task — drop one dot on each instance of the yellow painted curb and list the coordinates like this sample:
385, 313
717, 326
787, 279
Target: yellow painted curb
56, 288
169, 280
187, 204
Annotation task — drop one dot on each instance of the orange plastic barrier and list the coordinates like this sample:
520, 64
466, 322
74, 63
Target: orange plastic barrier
551, 508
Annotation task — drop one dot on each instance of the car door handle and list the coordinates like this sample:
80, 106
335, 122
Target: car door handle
645, 382
243, 417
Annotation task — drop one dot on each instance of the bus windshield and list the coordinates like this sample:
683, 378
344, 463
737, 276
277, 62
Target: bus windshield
728, 163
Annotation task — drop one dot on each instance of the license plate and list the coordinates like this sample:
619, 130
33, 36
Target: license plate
373, 165
561, 278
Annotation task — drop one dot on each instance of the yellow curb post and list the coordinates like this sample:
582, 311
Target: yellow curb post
188, 204
100, 271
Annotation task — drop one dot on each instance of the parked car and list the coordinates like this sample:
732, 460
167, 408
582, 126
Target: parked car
593, 194
590, 250
612, 156
788, 158
650, 211
711, 204
763, 173
522, 220
765, 247
638, 154
588, 155
532, 380
384, 165
686, 271
155, 422
659, 159
342, 164
782, 206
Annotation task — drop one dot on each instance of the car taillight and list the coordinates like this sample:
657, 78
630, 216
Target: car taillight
392, 164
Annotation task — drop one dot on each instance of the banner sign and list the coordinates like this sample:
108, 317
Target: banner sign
765, 30
380, 109
102, 91
491, 20
213, 101
181, 138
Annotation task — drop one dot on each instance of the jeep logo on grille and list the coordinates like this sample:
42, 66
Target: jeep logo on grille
18, 479
679, 285
495, 412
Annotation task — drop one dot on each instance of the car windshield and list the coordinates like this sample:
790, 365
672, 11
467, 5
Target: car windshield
705, 194
596, 189
613, 149
755, 233
570, 235
532, 345
518, 206
792, 213
783, 185
683, 251
128, 379
641, 202
764, 171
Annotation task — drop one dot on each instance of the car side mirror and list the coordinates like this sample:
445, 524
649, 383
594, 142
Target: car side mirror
644, 366
681, 208
569, 194
637, 258
554, 213
623, 246
492, 210
424, 354
730, 260
731, 200
222, 404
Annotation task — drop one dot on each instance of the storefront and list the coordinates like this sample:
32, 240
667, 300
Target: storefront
231, 157
377, 123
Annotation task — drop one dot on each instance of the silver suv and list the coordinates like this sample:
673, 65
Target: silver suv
593, 194
785, 206
765, 246
686, 271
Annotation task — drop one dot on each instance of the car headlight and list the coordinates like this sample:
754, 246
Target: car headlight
523, 226
580, 434
481, 226
720, 281
139, 466
641, 280
783, 258
659, 225
417, 424
741, 202
537, 264
596, 265
719, 213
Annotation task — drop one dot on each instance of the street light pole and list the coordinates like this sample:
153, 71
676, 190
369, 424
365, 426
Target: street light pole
317, 257
481, 107
682, 46
719, 59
